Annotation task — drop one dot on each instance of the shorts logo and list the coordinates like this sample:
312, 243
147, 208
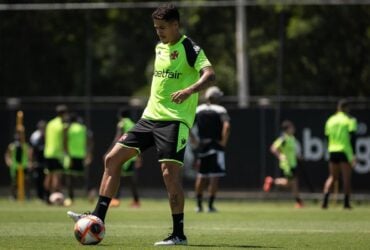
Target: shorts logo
174, 55
183, 141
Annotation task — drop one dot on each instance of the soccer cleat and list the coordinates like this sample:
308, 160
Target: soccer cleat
198, 209
212, 210
135, 204
114, 203
347, 207
172, 240
268, 183
76, 216
298, 205
324, 206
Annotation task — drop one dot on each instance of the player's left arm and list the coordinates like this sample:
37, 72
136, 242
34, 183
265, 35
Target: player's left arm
225, 133
207, 78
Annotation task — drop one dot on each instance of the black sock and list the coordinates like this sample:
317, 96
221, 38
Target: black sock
199, 200
211, 200
46, 196
326, 200
178, 224
102, 207
297, 199
346, 200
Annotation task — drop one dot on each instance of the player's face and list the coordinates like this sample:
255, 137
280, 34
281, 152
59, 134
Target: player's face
291, 130
167, 32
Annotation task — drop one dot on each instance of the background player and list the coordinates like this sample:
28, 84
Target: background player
37, 141
78, 157
340, 129
285, 150
124, 125
213, 129
18, 155
55, 149
181, 70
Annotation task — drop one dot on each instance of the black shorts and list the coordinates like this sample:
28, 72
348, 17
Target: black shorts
169, 138
53, 165
212, 158
293, 174
212, 165
76, 166
338, 157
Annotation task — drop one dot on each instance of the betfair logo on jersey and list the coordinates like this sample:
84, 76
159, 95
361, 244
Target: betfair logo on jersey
167, 74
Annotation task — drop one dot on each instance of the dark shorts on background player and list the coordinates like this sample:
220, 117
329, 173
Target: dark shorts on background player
293, 173
76, 167
169, 138
53, 165
338, 157
212, 165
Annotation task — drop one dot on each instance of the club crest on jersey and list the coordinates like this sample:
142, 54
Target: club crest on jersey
174, 55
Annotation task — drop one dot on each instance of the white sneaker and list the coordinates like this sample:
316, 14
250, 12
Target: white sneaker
76, 216
198, 209
172, 240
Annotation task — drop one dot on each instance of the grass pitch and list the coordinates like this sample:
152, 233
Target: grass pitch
243, 224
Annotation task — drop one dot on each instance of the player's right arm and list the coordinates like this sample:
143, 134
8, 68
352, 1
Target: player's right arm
275, 149
8, 157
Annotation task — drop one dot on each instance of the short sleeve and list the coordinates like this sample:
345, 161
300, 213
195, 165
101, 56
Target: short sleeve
201, 61
352, 126
278, 142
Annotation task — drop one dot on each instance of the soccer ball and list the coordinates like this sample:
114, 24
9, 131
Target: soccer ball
56, 198
89, 230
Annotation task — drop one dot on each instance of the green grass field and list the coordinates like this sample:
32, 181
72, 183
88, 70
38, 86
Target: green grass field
244, 224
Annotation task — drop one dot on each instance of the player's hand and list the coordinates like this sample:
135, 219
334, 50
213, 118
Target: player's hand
180, 96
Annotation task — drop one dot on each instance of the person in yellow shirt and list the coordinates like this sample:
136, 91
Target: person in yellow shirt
78, 155
285, 150
18, 155
340, 130
55, 150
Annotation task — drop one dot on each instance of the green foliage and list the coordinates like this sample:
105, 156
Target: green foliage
325, 49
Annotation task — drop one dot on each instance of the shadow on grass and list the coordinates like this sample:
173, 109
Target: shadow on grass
229, 245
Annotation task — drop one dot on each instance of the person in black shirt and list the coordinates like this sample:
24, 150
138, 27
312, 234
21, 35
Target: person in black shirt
212, 129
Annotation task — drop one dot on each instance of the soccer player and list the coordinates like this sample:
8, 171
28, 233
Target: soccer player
78, 154
213, 129
340, 130
285, 150
37, 141
18, 155
124, 125
181, 70
55, 149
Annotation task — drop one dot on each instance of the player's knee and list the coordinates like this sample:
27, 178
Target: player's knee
111, 162
166, 174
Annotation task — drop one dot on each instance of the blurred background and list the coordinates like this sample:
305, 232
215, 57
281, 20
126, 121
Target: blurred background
274, 60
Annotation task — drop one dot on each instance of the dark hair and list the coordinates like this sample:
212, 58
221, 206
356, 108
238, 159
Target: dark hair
73, 117
61, 109
285, 125
342, 104
167, 12
123, 112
